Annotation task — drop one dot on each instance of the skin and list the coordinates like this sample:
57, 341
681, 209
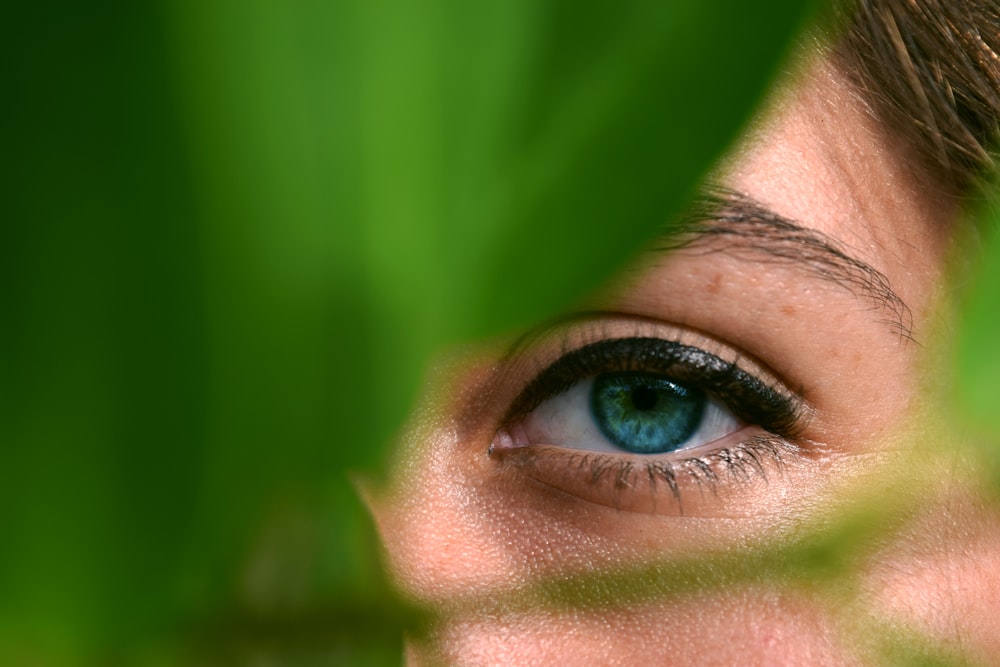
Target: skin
514, 565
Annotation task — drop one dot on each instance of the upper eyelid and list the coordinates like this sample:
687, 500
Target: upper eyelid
547, 328
576, 329
570, 332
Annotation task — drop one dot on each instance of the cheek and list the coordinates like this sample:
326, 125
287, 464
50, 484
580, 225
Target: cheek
941, 581
748, 626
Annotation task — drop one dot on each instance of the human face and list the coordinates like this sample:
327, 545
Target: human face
823, 284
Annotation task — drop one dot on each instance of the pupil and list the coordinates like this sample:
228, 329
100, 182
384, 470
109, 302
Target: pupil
644, 397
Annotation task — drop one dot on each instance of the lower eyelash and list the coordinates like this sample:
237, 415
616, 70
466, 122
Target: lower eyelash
744, 463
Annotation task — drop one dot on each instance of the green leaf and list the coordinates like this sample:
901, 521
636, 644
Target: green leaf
244, 227
514, 154
978, 359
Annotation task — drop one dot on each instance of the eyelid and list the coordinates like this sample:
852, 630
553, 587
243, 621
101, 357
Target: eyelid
668, 485
540, 347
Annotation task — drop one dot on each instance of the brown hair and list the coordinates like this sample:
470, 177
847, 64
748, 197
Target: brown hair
930, 69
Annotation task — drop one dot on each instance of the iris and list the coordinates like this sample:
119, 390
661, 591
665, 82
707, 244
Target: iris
644, 413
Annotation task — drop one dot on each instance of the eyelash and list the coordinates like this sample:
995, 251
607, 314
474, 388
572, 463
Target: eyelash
754, 401
741, 463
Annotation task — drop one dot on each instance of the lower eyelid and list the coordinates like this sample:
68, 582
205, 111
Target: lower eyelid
705, 485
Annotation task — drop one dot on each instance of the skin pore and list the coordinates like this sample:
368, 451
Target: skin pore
525, 549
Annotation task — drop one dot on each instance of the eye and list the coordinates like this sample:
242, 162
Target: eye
618, 421
631, 412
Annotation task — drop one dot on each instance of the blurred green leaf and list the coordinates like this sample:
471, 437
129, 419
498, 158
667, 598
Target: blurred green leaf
978, 359
456, 169
514, 154
243, 227
979, 353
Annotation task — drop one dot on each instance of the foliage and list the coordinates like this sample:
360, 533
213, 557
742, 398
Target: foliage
978, 358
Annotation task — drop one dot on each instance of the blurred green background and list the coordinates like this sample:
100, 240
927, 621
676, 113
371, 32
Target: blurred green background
234, 233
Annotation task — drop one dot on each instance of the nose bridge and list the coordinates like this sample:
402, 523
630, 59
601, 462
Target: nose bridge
439, 543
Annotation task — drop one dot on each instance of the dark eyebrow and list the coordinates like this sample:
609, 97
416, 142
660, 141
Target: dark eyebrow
721, 219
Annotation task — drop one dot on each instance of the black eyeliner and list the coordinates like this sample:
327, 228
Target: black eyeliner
750, 398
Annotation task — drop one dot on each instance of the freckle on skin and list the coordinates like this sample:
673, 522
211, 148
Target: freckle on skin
788, 310
714, 283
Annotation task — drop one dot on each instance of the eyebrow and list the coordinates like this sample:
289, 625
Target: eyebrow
724, 220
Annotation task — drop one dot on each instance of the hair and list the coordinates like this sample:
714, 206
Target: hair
930, 71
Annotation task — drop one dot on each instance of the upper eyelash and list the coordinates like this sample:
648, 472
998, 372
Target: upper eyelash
751, 399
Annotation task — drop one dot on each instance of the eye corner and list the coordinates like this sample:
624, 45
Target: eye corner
509, 436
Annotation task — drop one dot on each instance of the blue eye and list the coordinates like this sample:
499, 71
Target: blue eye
644, 413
